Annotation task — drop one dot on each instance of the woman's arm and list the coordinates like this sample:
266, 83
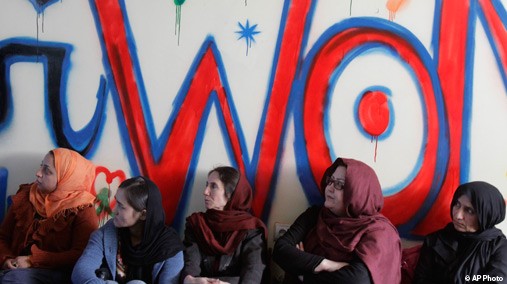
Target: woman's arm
354, 272
285, 252
6, 231
425, 271
171, 269
496, 268
192, 255
90, 260
253, 257
85, 222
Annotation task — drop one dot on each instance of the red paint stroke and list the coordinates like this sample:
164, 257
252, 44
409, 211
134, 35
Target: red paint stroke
110, 176
402, 206
110, 203
374, 114
285, 73
171, 170
451, 70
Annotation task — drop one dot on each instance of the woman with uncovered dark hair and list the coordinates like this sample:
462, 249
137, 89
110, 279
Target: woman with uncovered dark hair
225, 244
347, 240
136, 246
470, 248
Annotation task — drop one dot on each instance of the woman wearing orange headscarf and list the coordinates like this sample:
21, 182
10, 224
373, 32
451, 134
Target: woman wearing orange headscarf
347, 240
49, 222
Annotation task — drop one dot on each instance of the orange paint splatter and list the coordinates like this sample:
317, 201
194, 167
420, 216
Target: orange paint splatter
393, 6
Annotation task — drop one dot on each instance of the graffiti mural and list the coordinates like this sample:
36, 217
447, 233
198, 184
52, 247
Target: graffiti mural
302, 92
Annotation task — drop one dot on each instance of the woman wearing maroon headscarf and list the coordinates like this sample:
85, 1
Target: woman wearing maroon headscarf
225, 244
347, 240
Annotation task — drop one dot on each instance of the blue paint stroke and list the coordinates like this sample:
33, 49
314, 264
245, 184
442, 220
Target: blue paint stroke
247, 33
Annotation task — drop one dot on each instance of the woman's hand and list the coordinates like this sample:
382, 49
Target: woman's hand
10, 264
23, 261
201, 280
329, 265
18, 262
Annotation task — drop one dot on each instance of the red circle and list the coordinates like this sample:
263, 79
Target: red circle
374, 112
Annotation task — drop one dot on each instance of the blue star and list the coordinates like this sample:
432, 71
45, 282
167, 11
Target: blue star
248, 34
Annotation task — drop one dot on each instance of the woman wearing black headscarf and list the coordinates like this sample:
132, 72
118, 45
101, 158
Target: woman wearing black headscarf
470, 248
136, 244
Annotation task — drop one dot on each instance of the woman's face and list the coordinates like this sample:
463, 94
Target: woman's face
464, 217
214, 193
46, 175
125, 216
334, 192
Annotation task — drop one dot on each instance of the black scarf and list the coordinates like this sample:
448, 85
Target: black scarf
159, 242
468, 253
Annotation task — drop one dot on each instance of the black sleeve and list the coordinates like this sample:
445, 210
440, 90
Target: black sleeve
253, 257
496, 268
425, 271
192, 255
356, 272
285, 253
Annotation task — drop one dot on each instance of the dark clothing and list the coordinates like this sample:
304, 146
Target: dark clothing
297, 262
159, 241
349, 229
245, 265
450, 256
35, 275
444, 252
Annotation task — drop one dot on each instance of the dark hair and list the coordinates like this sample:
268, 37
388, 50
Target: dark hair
136, 192
229, 176
329, 172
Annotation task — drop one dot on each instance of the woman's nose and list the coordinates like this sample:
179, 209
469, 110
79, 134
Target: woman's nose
206, 191
459, 214
330, 187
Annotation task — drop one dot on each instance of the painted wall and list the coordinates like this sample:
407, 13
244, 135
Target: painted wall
278, 89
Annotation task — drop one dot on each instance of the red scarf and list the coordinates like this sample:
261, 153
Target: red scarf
220, 232
364, 232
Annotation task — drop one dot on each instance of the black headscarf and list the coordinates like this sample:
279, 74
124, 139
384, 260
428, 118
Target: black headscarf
159, 241
472, 250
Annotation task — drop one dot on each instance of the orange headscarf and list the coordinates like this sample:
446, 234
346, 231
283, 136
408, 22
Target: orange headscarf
75, 176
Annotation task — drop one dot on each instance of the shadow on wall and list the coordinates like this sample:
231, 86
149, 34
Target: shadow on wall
15, 170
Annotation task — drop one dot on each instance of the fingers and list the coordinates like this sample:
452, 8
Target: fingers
300, 246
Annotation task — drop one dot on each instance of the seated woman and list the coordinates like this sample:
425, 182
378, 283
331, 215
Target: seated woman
226, 243
470, 246
49, 222
135, 245
347, 240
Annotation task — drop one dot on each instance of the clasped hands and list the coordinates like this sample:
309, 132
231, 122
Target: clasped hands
17, 262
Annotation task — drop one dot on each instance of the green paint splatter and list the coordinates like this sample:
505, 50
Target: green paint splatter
177, 26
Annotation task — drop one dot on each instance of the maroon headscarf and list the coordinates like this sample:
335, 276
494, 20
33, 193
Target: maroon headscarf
364, 232
219, 232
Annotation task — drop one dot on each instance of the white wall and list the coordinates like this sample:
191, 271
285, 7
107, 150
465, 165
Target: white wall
165, 64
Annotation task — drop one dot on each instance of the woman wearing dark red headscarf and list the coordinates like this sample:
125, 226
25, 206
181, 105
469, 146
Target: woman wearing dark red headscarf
470, 248
225, 243
49, 222
347, 240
